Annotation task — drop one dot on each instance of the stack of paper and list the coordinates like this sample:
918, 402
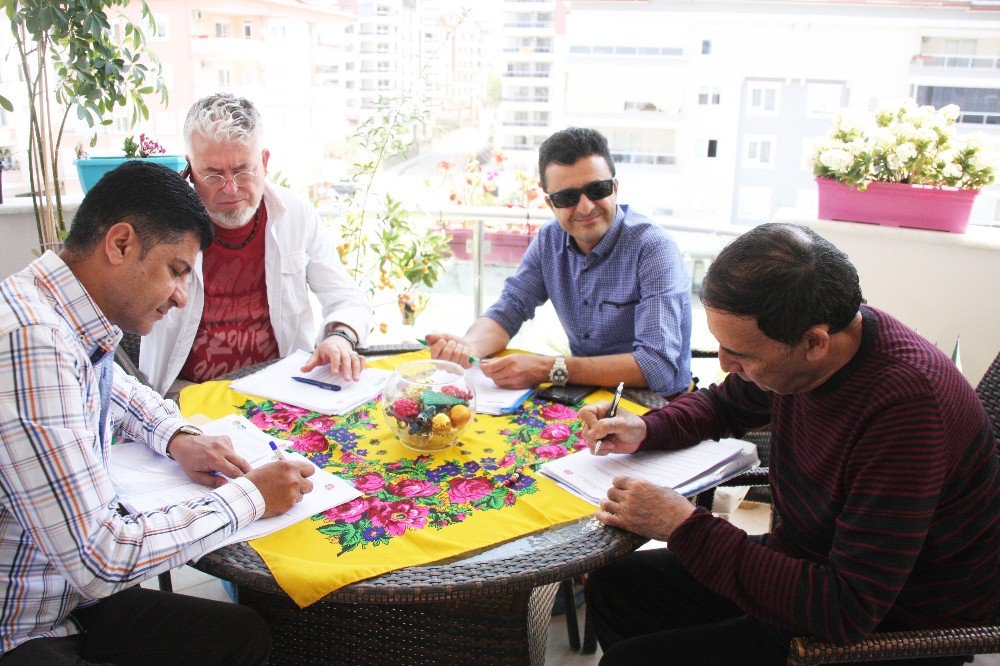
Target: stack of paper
146, 481
490, 398
689, 471
275, 383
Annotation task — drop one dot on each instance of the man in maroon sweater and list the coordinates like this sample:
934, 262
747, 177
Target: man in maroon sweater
884, 473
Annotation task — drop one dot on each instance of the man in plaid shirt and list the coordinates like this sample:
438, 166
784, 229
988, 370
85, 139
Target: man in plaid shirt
70, 561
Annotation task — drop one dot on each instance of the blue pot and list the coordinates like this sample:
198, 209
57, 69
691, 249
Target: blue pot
93, 169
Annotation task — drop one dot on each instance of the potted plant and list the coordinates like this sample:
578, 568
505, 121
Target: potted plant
72, 60
92, 169
903, 167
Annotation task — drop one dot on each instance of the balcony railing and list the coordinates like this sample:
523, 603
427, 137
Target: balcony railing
645, 158
974, 118
529, 75
958, 61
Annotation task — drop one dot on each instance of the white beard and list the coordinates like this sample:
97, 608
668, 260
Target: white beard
234, 219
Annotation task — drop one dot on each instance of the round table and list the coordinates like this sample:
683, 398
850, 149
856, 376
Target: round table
492, 607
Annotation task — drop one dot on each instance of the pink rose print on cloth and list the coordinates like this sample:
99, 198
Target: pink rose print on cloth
413, 488
397, 517
549, 451
462, 491
351, 512
369, 483
557, 412
310, 441
281, 419
556, 433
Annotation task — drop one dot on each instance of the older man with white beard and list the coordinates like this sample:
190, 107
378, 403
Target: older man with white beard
249, 294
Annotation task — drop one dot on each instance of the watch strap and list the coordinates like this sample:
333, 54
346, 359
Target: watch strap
559, 374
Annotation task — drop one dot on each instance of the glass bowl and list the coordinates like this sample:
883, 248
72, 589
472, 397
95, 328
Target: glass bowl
428, 404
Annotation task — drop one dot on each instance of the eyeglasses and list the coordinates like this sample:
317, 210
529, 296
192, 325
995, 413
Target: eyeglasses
595, 191
217, 181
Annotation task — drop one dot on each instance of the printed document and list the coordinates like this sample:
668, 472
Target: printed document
275, 383
490, 398
688, 471
146, 481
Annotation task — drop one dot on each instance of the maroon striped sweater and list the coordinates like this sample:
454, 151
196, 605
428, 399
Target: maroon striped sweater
887, 481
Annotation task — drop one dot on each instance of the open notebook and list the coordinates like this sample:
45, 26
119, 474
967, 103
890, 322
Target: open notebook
146, 481
275, 383
688, 471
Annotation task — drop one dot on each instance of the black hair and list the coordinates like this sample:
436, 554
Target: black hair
568, 146
786, 276
159, 204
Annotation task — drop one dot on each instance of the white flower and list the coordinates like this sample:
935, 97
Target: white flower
952, 171
904, 130
949, 113
906, 151
837, 159
926, 135
883, 138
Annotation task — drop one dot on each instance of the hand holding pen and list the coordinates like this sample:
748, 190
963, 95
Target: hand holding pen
611, 413
453, 349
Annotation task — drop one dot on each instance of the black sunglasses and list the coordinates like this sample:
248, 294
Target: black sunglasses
595, 191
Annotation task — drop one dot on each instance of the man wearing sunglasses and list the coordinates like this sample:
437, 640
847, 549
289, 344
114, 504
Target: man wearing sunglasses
249, 294
614, 277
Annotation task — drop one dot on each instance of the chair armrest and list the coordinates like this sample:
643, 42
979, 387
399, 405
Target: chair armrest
752, 477
882, 646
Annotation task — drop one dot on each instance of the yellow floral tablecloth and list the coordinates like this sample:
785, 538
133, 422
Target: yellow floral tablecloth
417, 507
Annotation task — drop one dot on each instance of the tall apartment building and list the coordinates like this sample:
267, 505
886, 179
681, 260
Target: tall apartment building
531, 91
711, 107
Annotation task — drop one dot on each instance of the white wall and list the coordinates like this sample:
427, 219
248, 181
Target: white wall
944, 285
19, 234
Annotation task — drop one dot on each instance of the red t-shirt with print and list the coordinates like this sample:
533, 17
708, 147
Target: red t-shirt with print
235, 329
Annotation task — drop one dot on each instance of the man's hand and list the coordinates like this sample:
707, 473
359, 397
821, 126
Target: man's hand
337, 352
622, 433
643, 508
518, 371
282, 484
452, 348
200, 455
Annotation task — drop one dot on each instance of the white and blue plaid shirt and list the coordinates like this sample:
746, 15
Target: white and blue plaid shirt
630, 294
63, 542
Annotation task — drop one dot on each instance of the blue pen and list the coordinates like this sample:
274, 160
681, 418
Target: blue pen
277, 451
316, 382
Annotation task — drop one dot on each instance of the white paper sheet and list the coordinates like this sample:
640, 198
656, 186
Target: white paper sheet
694, 468
147, 481
275, 383
490, 398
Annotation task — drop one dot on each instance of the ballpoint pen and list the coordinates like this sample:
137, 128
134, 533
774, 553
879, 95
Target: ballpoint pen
472, 359
611, 412
315, 382
277, 451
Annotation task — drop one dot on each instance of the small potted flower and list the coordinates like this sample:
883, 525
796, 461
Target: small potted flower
92, 169
903, 167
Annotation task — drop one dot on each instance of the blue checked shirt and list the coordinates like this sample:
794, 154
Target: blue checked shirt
630, 294
63, 542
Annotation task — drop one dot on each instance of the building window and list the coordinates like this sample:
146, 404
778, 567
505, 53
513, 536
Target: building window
221, 29
824, 99
758, 151
713, 148
224, 77
709, 96
162, 28
247, 29
979, 105
762, 98
706, 47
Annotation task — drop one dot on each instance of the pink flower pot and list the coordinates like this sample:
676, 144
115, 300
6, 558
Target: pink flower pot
897, 205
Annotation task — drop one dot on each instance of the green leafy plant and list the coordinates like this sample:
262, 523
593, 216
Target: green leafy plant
384, 250
904, 143
72, 59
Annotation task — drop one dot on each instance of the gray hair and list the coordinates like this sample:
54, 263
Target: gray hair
223, 117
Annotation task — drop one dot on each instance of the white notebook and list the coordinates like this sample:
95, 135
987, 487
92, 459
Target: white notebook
688, 471
490, 398
147, 481
275, 383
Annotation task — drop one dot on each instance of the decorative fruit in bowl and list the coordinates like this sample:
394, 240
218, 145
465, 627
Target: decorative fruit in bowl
428, 404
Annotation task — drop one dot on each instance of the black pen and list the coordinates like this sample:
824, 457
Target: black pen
316, 382
611, 412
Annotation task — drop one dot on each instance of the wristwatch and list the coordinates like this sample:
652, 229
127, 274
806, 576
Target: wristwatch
559, 375
347, 335
187, 430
